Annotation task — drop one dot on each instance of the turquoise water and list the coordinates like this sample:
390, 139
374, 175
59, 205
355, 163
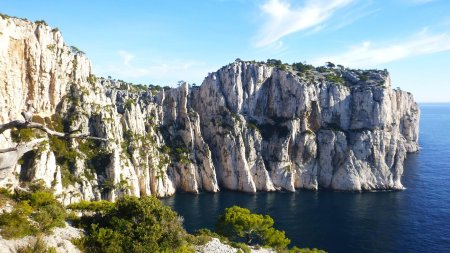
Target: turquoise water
414, 220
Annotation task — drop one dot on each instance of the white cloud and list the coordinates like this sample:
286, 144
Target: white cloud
369, 54
283, 19
359, 12
126, 56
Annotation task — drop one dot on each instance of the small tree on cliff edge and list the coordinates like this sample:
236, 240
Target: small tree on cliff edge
240, 225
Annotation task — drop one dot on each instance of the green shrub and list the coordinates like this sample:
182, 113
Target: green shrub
136, 225
38, 246
205, 231
321, 69
38, 205
38, 119
305, 250
75, 63
5, 195
330, 65
51, 47
103, 240
201, 239
101, 206
242, 247
16, 224
4, 16
335, 79
22, 135
73, 217
48, 217
274, 62
364, 77
302, 67
40, 22
5, 192
75, 50
65, 157
97, 157
80, 243
203, 236
129, 104
240, 225
166, 149
92, 79
41, 198
48, 212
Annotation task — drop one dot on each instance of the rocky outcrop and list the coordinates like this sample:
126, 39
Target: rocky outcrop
60, 240
249, 126
271, 128
216, 246
38, 68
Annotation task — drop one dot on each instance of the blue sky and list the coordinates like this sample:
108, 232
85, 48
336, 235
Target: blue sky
164, 41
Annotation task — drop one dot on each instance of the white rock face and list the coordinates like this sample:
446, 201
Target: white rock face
249, 126
307, 131
36, 66
216, 246
60, 240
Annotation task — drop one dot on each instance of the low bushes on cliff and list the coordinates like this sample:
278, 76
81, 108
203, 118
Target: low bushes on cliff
244, 228
15, 224
240, 225
37, 245
101, 206
134, 225
35, 211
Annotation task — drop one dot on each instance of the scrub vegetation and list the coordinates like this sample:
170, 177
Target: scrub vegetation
130, 224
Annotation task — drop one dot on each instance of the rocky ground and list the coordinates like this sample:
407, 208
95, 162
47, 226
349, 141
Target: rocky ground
215, 246
60, 240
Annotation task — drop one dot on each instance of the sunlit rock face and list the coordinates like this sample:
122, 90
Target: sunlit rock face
272, 129
249, 126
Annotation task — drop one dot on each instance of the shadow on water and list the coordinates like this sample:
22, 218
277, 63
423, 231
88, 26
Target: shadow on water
414, 220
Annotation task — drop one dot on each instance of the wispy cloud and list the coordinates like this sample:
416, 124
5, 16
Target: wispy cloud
283, 19
126, 57
369, 54
164, 73
359, 12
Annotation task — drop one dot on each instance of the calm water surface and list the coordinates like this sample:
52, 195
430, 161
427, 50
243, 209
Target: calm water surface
414, 220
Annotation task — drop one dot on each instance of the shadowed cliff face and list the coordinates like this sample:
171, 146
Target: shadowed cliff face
248, 127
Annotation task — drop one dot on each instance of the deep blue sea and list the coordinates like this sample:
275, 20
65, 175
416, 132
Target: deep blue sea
414, 220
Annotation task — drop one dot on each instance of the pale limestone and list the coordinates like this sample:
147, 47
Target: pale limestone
249, 126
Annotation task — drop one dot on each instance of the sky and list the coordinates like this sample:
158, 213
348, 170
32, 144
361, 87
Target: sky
165, 41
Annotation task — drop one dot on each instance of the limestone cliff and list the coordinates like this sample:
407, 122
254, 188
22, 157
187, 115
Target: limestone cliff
284, 129
249, 126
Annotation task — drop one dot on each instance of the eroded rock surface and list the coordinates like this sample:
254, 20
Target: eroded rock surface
249, 126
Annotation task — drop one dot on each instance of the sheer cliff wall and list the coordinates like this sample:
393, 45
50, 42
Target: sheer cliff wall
249, 126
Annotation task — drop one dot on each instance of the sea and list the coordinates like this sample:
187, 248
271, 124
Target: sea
414, 220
